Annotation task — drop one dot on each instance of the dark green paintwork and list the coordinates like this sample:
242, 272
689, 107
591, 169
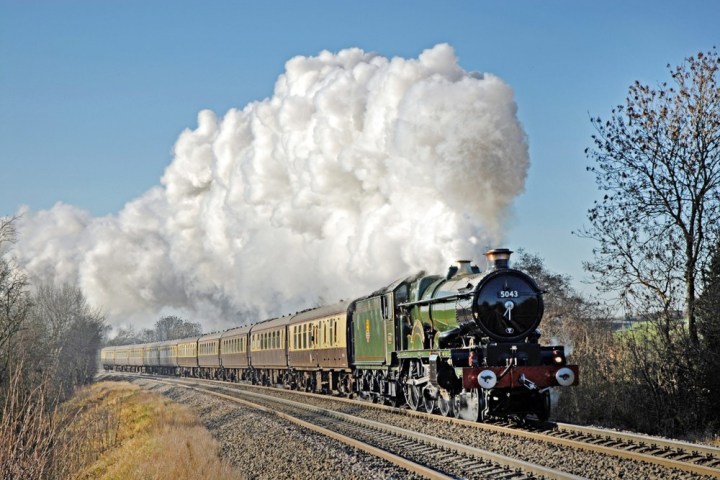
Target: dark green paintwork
374, 336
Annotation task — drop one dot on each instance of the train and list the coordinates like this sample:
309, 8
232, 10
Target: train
464, 344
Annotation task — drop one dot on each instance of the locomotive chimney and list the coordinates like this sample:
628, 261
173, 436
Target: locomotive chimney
499, 257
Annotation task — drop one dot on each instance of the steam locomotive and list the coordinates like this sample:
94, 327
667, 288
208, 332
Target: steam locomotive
464, 344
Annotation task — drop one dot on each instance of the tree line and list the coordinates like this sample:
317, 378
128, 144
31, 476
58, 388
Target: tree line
50, 339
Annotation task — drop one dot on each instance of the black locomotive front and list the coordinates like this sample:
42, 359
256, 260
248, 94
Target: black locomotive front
487, 360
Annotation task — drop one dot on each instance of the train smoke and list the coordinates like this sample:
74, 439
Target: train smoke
359, 169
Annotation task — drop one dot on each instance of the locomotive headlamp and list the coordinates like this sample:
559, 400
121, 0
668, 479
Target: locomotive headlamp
499, 257
565, 377
487, 379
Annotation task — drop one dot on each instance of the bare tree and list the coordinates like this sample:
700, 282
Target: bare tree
66, 334
172, 327
709, 329
14, 297
658, 162
169, 327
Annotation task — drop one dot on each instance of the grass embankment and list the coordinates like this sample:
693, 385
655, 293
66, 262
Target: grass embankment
123, 432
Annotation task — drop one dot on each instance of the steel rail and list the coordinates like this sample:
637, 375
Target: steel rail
642, 439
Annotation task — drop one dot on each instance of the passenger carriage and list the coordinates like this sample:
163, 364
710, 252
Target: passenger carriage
168, 357
234, 354
121, 357
187, 356
136, 356
151, 357
107, 358
268, 352
318, 349
208, 355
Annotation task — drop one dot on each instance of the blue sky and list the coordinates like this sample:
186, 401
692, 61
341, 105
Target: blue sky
93, 95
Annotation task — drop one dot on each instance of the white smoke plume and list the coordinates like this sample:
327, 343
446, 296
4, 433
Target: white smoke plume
358, 170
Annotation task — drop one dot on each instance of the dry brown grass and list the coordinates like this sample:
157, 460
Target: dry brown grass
123, 432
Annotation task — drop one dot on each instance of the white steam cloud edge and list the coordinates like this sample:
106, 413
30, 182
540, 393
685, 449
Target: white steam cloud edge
358, 170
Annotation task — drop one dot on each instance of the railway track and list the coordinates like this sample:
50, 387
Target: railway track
701, 460
695, 460
426, 455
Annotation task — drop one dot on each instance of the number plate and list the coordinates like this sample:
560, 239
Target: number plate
508, 294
